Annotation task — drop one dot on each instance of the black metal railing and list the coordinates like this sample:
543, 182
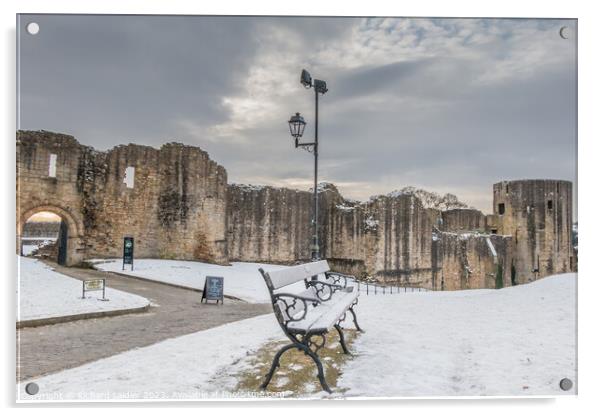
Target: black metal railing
375, 288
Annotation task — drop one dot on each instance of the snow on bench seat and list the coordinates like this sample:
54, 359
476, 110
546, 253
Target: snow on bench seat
323, 316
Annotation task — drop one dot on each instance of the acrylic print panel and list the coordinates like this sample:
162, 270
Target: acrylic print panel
434, 202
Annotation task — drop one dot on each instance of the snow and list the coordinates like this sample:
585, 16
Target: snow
241, 280
248, 187
44, 293
491, 247
28, 249
345, 207
179, 368
512, 341
371, 223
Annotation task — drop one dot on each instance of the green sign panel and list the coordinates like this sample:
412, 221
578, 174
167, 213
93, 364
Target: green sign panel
128, 252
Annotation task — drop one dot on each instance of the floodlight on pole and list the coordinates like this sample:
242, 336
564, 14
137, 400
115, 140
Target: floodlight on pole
297, 126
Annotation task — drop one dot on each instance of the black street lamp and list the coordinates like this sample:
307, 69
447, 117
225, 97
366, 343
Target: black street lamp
297, 126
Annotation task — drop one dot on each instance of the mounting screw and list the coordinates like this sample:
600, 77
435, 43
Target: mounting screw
32, 389
566, 384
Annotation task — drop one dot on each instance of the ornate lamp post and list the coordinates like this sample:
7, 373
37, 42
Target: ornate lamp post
297, 126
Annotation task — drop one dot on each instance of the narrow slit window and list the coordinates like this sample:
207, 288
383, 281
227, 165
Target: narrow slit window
128, 179
501, 208
550, 204
52, 166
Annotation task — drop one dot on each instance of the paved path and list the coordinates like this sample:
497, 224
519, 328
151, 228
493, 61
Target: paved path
173, 312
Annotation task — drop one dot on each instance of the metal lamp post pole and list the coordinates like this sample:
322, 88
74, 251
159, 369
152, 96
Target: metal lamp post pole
297, 125
316, 248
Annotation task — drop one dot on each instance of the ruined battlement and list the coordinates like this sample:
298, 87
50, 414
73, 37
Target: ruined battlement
172, 200
176, 202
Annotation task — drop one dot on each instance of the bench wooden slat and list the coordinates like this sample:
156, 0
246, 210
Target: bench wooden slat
290, 275
324, 316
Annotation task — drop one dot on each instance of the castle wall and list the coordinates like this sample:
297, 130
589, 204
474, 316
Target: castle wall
388, 237
462, 220
470, 261
538, 215
400, 248
175, 209
180, 206
267, 224
37, 191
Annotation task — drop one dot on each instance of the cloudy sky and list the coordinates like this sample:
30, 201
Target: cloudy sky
450, 105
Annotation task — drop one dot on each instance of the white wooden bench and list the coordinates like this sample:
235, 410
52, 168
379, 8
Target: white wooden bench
306, 316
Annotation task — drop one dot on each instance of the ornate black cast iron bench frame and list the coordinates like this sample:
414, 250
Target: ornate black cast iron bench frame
307, 317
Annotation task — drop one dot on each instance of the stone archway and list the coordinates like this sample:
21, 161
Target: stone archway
74, 252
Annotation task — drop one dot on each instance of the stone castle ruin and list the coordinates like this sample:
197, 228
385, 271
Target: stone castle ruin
177, 204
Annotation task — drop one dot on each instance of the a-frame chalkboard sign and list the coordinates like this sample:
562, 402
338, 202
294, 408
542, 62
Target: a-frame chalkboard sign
214, 289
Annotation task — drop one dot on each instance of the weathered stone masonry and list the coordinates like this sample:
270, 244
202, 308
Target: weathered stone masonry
180, 206
176, 208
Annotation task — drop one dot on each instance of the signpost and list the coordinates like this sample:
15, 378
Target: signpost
214, 289
128, 252
93, 286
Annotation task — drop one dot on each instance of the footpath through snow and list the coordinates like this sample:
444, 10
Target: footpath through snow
241, 280
43, 293
514, 341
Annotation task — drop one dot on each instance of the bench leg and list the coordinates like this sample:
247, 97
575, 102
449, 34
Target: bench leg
307, 351
316, 359
276, 364
342, 339
355, 320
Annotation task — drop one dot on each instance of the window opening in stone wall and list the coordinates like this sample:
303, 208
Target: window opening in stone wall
129, 176
550, 204
52, 166
493, 231
501, 208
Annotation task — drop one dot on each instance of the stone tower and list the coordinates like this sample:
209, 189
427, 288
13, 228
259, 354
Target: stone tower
538, 215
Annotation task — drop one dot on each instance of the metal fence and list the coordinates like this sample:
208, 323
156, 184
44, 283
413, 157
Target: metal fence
372, 288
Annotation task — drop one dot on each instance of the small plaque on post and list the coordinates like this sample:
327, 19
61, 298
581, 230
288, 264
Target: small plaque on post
213, 289
93, 286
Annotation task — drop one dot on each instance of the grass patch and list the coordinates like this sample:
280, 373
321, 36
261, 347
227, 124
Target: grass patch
297, 375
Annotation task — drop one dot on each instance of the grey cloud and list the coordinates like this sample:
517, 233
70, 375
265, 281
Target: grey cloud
453, 112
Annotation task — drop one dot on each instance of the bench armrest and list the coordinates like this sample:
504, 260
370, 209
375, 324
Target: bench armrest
319, 282
301, 297
324, 290
338, 277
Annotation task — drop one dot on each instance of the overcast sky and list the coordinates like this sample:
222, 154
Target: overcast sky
450, 105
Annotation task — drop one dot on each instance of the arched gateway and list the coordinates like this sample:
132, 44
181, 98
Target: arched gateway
70, 239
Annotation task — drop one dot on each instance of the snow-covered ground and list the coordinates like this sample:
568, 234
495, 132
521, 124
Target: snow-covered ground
38, 242
513, 341
241, 280
44, 293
